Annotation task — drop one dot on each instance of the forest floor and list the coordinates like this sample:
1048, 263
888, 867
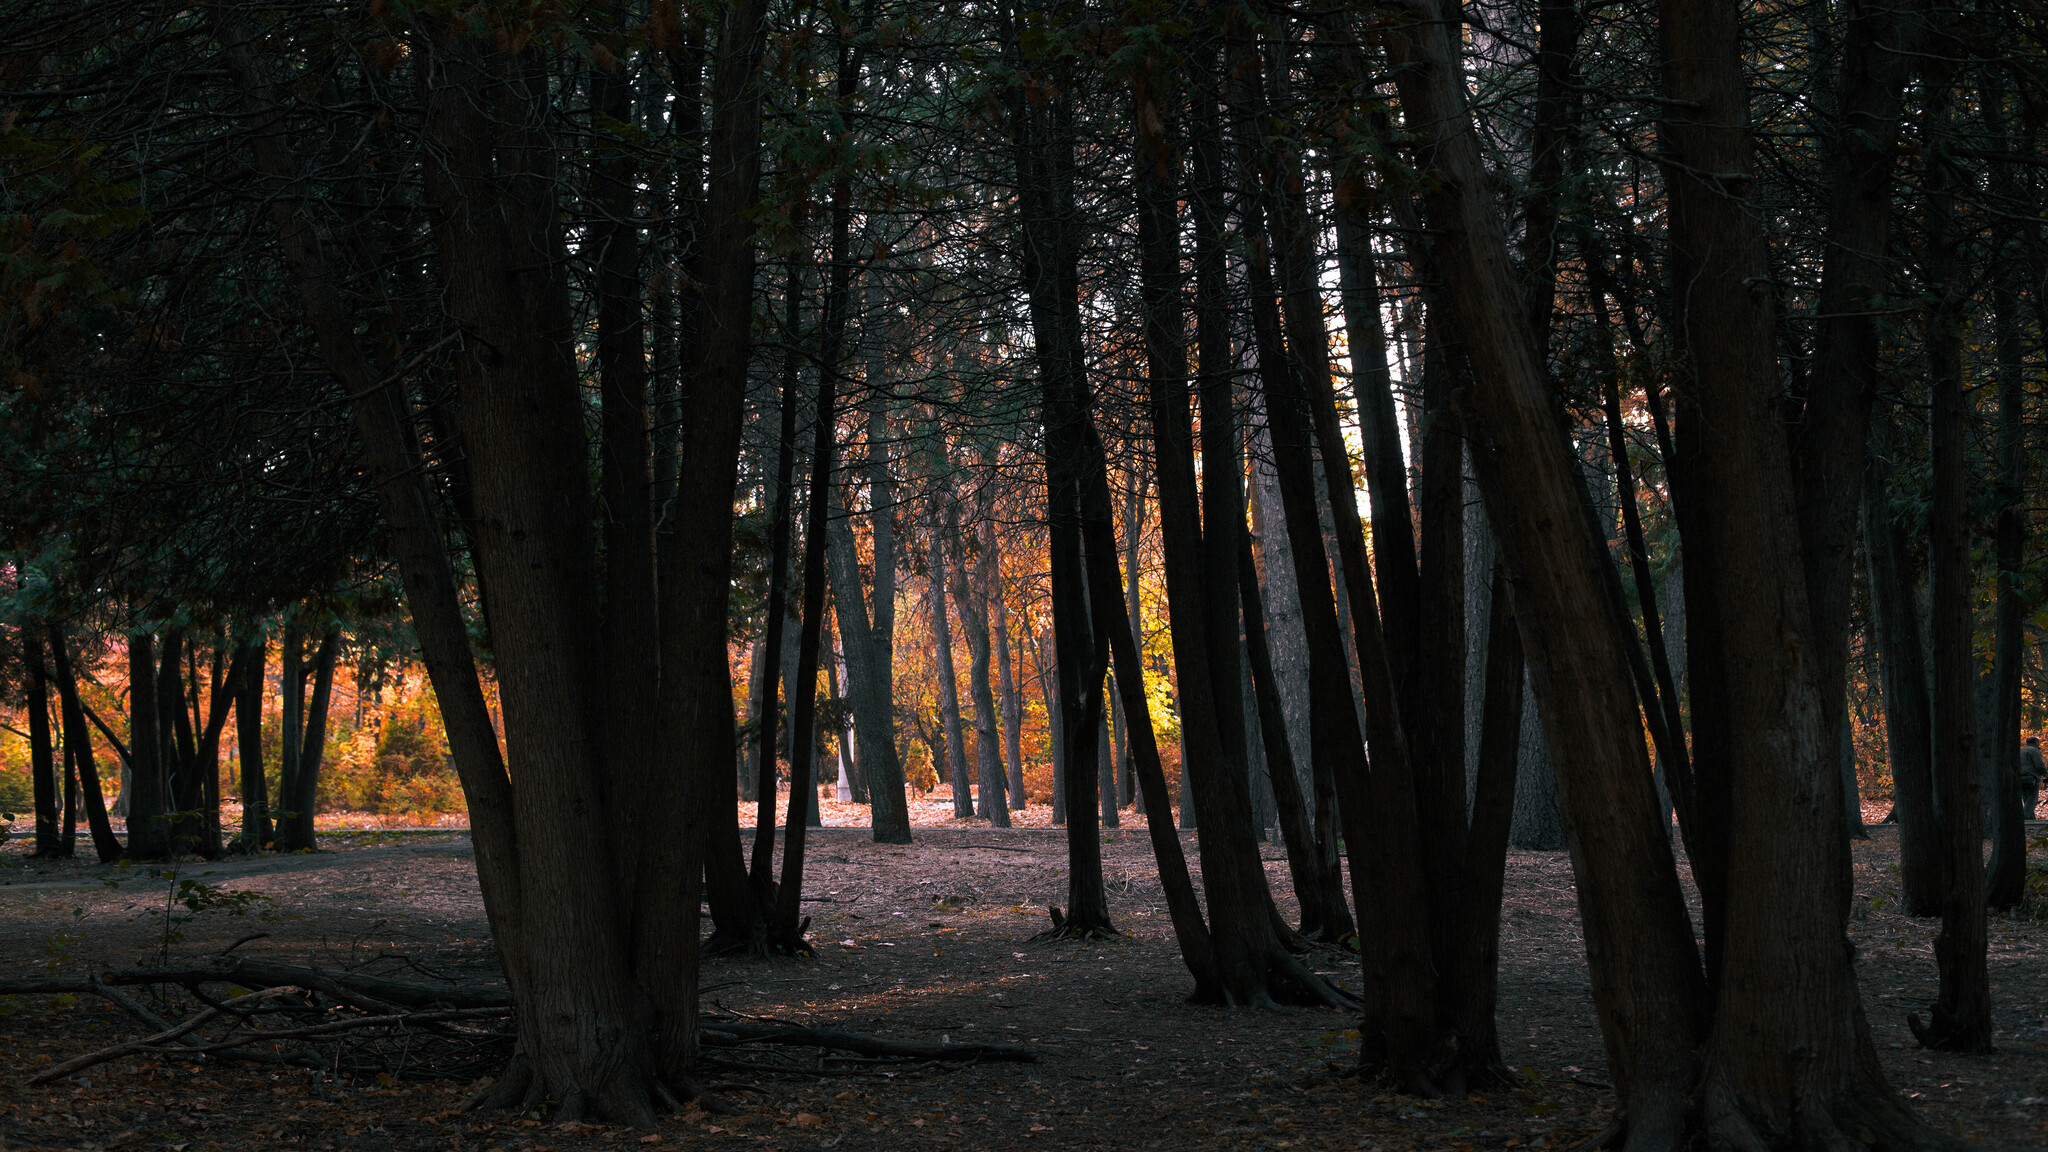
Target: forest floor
931, 941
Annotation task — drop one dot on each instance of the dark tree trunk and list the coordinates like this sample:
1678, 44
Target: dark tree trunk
1043, 138
1785, 981
257, 830
1831, 435
299, 792
585, 1039
1902, 663
2005, 881
78, 746
949, 682
870, 640
1325, 914
629, 623
392, 451
766, 702
971, 593
786, 929
149, 833
1645, 967
1401, 1031
1474, 969
1012, 697
1960, 1018
41, 749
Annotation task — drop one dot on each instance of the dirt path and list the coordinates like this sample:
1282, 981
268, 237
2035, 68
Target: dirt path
934, 941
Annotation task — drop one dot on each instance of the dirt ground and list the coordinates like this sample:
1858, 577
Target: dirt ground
931, 941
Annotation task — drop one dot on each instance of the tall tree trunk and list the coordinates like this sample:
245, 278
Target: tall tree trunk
1645, 968
766, 705
1043, 139
385, 426
949, 683
1474, 962
1902, 663
41, 756
1960, 1018
1012, 697
300, 792
149, 834
1831, 435
1325, 914
630, 629
1785, 980
257, 829
786, 930
78, 745
2005, 883
584, 1039
972, 593
1400, 1031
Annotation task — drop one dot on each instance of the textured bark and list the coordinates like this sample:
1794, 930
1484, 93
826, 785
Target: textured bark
1902, 664
584, 1036
766, 702
1325, 914
298, 792
149, 834
41, 749
392, 453
1960, 1018
1166, 383
786, 930
1831, 433
630, 620
955, 767
1645, 969
78, 745
1012, 695
971, 595
1785, 981
2005, 881
1473, 984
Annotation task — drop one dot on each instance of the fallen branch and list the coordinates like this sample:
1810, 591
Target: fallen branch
165, 1037
373, 992
726, 1034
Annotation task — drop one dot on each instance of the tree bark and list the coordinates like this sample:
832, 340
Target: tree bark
41, 758
1902, 663
299, 792
1645, 969
257, 829
949, 683
1012, 696
78, 745
971, 593
1960, 1018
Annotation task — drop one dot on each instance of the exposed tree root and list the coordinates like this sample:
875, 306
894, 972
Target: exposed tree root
1939, 1030
1065, 927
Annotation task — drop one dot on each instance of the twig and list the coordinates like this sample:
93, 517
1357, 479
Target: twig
165, 1037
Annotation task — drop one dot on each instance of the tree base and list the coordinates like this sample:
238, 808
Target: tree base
520, 1090
1066, 927
1941, 1031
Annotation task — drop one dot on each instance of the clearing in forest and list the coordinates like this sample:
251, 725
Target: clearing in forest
929, 942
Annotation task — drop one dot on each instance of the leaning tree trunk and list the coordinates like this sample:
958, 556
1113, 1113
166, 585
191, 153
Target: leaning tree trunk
41, 749
78, 742
1647, 982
